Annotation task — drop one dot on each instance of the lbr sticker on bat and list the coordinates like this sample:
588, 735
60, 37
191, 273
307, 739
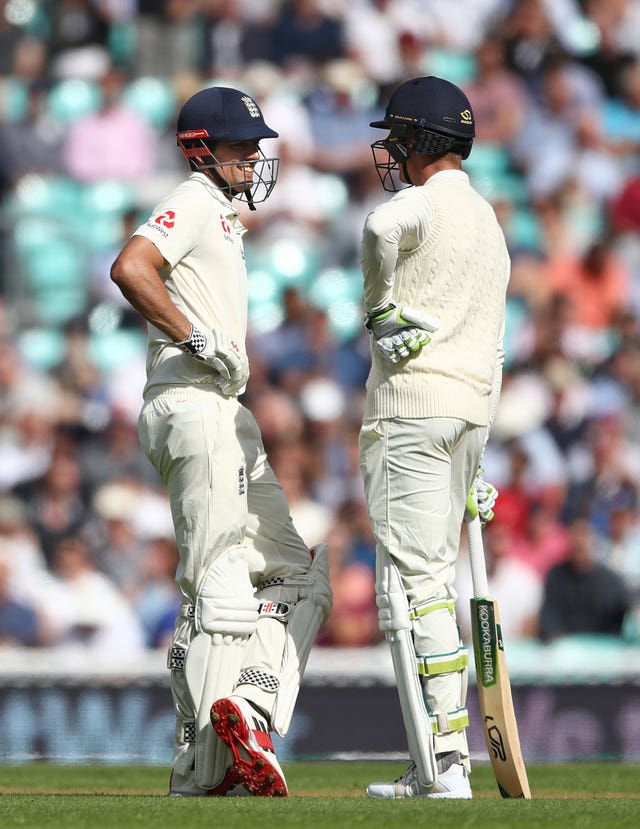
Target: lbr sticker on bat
488, 643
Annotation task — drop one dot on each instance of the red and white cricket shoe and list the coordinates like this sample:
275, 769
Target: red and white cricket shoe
246, 732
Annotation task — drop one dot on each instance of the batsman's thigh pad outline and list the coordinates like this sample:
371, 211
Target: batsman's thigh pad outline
393, 615
222, 620
302, 604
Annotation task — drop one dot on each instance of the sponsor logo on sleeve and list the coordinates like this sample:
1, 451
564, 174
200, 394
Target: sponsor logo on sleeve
166, 219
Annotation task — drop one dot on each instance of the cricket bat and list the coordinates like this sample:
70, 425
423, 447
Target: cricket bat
494, 687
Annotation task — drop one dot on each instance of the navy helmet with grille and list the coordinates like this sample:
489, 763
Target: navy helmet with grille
438, 112
222, 114
428, 115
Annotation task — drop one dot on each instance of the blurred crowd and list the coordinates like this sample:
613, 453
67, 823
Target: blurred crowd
89, 93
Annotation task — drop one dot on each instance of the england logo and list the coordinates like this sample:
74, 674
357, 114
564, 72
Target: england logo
251, 105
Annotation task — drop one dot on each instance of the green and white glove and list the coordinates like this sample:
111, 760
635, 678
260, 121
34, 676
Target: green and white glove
224, 356
482, 499
399, 331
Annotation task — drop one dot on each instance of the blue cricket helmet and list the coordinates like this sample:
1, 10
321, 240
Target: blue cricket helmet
432, 104
224, 114
221, 114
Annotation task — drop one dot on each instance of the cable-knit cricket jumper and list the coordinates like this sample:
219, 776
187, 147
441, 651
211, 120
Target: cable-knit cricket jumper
438, 248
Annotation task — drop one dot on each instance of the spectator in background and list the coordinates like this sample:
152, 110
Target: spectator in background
118, 548
613, 52
497, 95
620, 551
544, 541
18, 543
18, 621
581, 595
353, 621
529, 39
292, 464
113, 143
612, 477
596, 284
167, 40
372, 39
157, 600
566, 93
91, 611
45, 142
513, 583
56, 504
621, 113
233, 38
340, 118
302, 30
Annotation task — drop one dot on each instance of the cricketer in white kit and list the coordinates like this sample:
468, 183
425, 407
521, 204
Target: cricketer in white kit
435, 269
254, 595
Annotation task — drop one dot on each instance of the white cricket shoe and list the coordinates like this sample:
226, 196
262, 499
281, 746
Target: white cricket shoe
255, 766
452, 782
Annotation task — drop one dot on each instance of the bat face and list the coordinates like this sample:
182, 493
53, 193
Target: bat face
496, 704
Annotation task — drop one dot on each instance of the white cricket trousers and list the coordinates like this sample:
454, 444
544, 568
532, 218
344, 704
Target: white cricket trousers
209, 452
417, 474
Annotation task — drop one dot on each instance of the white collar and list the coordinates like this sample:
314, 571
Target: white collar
231, 211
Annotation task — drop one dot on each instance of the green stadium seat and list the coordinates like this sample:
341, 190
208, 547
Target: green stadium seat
42, 348
54, 196
458, 67
73, 98
338, 291
114, 349
14, 100
154, 99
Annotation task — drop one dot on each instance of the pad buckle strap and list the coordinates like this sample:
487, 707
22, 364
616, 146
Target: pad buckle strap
456, 720
274, 582
187, 611
189, 731
431, 606
443, 663
176, 658
262, 679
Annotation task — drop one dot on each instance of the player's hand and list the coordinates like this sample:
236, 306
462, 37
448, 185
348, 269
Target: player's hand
225, 357
400, 331
482, 499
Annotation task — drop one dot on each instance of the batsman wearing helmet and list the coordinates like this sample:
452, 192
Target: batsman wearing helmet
436, 269
254, 595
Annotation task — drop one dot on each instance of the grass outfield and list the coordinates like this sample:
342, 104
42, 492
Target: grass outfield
322, 795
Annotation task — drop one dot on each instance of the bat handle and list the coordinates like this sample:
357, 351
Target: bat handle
476, 559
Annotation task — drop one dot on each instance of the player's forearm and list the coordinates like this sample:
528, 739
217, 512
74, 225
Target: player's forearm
142, 287
379, 256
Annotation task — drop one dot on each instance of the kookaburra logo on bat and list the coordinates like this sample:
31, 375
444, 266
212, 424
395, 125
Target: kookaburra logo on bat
495, 736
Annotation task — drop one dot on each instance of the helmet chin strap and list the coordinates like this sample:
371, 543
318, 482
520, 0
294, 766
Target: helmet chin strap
229, 189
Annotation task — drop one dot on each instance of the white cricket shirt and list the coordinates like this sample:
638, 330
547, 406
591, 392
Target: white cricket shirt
197, 230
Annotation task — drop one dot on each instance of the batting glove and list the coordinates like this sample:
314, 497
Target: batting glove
400, 331
482, 497
223, 355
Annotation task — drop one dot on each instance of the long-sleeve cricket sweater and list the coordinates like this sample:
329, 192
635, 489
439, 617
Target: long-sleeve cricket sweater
438, 248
